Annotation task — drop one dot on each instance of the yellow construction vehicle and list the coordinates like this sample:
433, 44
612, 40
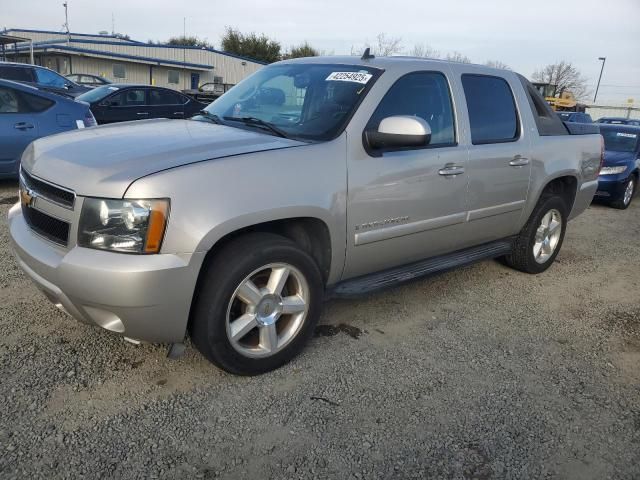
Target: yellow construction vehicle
560, 101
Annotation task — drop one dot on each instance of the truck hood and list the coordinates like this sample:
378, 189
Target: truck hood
104, 161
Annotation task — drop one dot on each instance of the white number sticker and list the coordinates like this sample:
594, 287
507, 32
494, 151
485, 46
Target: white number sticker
357, 77
628, 135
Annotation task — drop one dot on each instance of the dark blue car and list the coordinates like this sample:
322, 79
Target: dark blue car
27, 113
619, 176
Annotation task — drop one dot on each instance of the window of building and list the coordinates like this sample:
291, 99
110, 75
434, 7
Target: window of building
119, 71
421, 94
218, 80
492, 109
174, 76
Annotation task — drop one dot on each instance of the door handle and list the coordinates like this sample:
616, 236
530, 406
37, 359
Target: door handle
451, 170
23, 126
519, 161
142, 113
178, 113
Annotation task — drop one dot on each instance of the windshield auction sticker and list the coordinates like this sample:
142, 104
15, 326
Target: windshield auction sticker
357, 77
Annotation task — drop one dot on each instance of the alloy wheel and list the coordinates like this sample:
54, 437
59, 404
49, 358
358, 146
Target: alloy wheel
547, 236
267, 310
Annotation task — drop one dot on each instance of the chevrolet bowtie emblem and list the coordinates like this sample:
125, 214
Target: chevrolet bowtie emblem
27, 197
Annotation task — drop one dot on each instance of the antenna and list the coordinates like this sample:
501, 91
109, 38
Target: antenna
367, 54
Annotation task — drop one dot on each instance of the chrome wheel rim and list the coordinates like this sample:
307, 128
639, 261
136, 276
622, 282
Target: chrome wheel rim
547, 236
628, 192
267, 310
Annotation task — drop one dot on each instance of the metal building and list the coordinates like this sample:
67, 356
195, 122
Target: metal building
123, 60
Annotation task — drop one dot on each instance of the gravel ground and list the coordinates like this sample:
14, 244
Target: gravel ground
479, 373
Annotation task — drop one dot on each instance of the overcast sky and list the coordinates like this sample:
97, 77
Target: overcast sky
523, 34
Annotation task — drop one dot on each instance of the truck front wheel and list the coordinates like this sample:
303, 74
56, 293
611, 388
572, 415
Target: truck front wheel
539, 242
258, 304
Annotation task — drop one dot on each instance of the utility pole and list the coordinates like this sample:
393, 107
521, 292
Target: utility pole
66, 21
113, 24
184, 51
603, 60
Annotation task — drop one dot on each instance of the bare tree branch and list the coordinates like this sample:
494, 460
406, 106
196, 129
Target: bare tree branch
424, 50
497, 64
457, 57
565, 76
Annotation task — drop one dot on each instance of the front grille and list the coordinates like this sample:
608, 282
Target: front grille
49, 227
65, 198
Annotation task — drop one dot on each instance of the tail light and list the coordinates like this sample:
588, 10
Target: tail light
601, 154
89, 119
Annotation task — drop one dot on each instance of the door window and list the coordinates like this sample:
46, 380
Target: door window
50, 79
492, 109
13, 101
18, 74
421, 94
166, 97
128, 98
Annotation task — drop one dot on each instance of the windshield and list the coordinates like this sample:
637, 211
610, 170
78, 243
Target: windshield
97, 94
304, 101
619, 141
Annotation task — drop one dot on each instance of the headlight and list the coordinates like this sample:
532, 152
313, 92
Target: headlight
133, 226
612, 170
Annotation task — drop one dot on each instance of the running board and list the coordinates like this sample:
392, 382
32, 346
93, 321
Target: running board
406, 273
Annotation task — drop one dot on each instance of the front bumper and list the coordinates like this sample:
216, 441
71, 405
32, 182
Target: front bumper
145, 297
611, 186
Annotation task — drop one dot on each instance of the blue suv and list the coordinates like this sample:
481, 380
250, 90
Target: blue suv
621, 169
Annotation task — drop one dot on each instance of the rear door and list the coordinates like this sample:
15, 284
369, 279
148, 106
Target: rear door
164, 103
499, 155
19, 125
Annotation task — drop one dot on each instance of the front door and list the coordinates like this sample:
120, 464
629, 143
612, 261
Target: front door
18, 128
195, 81
405, 205
499, 165
125, 105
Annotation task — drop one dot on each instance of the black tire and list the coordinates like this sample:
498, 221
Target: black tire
522, 257
230, 266
619, 202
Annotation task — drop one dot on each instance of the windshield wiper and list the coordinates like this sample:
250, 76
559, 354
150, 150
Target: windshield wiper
259, 123
211, 116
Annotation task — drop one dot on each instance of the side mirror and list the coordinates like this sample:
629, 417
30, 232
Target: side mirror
401, 131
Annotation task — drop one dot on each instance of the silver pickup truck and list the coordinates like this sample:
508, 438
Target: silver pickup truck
311, 178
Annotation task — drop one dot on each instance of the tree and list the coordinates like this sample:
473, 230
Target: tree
259, 47
424, 50
387, 46
457, 57
565, 76
189, 41
497, 64
303, 50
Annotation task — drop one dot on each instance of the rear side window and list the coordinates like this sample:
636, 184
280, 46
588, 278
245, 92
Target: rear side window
421, 94
128, 98
14, 101
50, 79
547, 122
17, 74
492, 109
166, 97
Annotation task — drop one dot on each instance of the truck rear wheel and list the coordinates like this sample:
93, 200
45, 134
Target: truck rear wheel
539, 242
258, 304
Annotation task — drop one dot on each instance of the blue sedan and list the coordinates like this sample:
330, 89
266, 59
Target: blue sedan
620, 172
27, 113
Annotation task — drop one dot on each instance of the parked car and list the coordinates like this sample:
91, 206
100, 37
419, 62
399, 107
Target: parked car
91, 81
620, 173
40, 77
122, 103
358, 175
26, 114
575, 117
620, 121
